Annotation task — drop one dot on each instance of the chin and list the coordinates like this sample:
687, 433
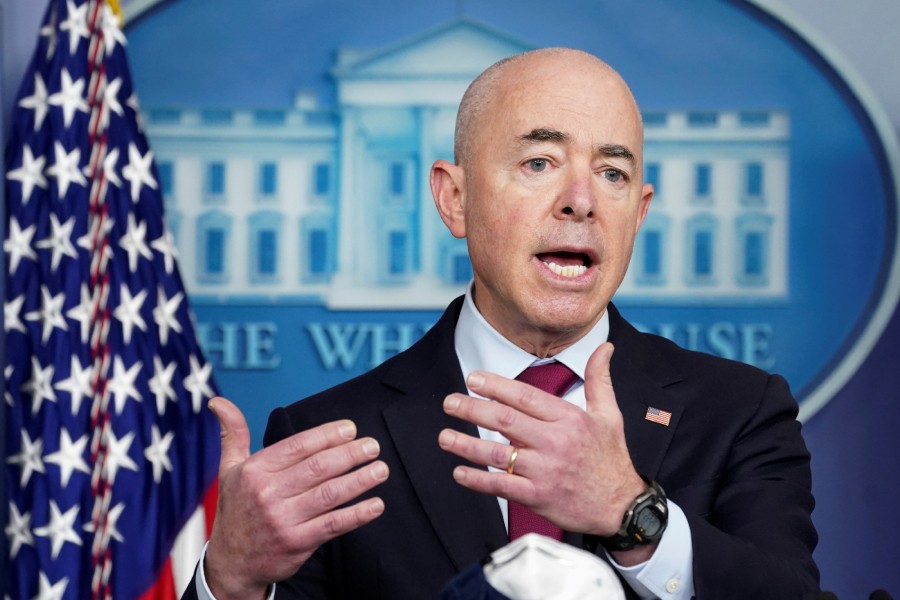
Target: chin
568, 318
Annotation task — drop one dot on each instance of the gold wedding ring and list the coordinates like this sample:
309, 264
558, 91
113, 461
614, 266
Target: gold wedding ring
512, 461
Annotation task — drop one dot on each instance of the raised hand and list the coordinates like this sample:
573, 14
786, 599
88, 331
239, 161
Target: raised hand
572, 465
278, 505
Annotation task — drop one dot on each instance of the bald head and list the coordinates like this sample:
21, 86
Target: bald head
487, 90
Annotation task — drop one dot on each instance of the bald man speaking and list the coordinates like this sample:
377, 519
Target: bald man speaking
532, 405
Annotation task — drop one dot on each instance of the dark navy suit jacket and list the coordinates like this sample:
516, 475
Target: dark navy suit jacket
732, 458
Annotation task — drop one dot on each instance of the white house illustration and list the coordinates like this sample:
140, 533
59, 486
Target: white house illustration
331, 205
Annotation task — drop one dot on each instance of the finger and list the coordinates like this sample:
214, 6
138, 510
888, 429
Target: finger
328, 463
514, 424
598, 386
335, 523
338, 491
506, 486
516, 394
300, 446
235, 434
481, 452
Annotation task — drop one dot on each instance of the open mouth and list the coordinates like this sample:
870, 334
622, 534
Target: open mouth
566, 264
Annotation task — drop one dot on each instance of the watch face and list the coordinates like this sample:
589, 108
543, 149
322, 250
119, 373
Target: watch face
648, 522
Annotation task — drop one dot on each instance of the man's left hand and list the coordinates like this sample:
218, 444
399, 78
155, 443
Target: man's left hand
572, 466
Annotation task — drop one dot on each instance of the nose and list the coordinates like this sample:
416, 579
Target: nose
577, 199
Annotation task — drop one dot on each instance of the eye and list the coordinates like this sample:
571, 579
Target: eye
538, 165
613, 175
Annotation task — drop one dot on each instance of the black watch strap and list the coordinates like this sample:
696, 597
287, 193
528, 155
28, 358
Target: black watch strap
643, 522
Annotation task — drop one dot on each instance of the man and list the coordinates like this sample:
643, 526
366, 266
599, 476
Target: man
547, 188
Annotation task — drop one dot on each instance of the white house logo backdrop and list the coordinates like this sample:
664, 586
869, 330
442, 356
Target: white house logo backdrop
292, 144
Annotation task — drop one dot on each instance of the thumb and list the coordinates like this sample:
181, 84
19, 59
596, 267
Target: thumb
235, 433
598, 387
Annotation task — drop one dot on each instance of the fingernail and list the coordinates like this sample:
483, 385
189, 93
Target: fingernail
379, 470
475, 380
211, 405
347, 429
371, 448
445, 439
459, 474
451, 403
376, 507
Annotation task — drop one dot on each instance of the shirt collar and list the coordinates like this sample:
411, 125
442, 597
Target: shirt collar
480, 347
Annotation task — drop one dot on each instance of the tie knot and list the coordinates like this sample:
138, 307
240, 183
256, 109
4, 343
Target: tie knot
554, 378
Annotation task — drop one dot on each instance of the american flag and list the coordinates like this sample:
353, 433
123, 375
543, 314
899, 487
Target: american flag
110, 453
656, 415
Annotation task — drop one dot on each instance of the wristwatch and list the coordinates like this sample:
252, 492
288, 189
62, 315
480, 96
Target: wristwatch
643, 523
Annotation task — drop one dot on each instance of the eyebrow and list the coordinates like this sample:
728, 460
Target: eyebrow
543, 134
618, 151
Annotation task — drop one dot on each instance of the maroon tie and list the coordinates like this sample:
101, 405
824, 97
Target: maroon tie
554, 378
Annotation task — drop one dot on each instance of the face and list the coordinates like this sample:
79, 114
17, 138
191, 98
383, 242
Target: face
550, 199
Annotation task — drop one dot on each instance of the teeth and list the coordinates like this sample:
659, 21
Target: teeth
567, 271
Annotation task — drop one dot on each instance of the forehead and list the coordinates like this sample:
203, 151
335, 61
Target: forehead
585, 100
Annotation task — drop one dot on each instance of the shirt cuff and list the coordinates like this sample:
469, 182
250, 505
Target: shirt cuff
202, 588
669, 574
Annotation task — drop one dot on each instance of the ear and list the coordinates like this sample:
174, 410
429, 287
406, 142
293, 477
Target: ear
644, 206
448, 188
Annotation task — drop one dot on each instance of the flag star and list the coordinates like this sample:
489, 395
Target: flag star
158, 452
11, 311
37, 101
70, 97
111, 100
69, 457
50, 314
60, 529
133, 242
121, 386
110, 527
109, 167
7, 373
197, 383
164, 314
89, 243
83, 312
112, 33
79, 383
135, 105
59, 240
40, 385
30, 174
75, 24
18, 530
137, 171
18, 244
29, 457
65, 169
49, 31
46, 591
129, 312
117, 455
161, 384
165, 245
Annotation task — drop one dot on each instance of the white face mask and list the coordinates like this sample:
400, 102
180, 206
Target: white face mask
535, 567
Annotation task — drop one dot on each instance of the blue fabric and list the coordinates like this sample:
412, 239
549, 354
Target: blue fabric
471, 585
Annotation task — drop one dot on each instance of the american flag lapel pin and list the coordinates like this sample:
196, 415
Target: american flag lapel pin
656, 415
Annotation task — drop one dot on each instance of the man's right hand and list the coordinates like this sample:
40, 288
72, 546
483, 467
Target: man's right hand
278, 505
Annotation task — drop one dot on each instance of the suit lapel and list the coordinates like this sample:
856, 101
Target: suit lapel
641, 381
469, 525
